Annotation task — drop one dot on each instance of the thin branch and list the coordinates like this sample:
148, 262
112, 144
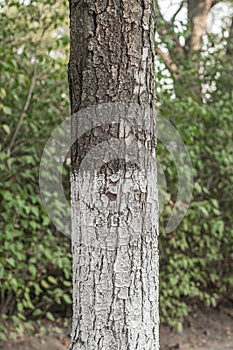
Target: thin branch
215, 2
29, 94
172, 67
24, 110
158, 10
178, 11
167, 30
44, 30
229, 50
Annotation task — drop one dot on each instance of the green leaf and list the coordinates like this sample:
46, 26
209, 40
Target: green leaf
50, 316
6, 110
32, 269
67, 299
52, 280
3, 337
37, 312
11, 262
20, 307
6, 128
44, 284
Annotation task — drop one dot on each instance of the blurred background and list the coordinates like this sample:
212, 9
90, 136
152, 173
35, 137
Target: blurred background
194, 92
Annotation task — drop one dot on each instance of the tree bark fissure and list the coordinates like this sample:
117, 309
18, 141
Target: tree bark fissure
114, 203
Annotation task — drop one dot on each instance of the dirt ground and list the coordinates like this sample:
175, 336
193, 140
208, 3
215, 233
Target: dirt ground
203, 329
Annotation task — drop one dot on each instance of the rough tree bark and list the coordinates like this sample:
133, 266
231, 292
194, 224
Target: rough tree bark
114, 204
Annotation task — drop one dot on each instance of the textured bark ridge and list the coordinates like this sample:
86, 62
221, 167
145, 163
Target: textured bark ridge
114, 198
112, 52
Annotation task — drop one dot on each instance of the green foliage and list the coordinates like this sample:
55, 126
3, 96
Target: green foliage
196, 259
35, 260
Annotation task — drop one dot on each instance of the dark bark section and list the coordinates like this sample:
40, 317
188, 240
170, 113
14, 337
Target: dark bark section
229, 51
107, 39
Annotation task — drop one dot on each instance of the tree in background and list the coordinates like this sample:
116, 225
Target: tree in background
114, 203
183, 45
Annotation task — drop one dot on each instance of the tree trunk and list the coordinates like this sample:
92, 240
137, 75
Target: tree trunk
198, 11
114, 190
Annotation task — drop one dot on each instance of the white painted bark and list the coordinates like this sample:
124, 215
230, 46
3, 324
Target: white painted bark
115, 261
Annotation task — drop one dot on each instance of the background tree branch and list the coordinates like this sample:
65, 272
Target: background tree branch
169, 63
178, 11
24, 110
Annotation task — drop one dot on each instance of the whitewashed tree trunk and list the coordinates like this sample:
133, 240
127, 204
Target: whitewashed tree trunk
114, 198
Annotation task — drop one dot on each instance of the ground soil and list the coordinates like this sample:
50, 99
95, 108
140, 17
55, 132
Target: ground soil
203, 329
